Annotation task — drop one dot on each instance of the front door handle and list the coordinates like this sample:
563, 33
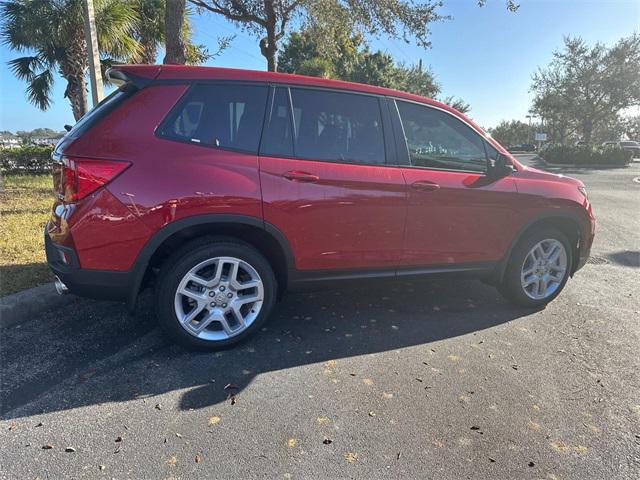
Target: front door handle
425, 186
300, 176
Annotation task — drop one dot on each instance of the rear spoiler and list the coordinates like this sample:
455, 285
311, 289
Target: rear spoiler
137, 76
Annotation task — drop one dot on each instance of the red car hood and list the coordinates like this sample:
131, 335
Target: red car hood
535, 174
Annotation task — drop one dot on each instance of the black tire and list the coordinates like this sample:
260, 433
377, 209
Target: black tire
177, 266
511, 286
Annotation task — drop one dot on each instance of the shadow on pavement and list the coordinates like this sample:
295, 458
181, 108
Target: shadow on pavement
94, 352
626, 258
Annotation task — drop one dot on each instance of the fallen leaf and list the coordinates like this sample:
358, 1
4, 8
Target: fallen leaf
214, 420
372, 413
453, 358
438, 444
70, 449
102, 467
561, 447
387, 395
531, 464
350, 457
173, 461
197, 458
292, 442
475, 428
322, 420
13, 426
158, 406
533, 425
119, 439
492, 460
580, 449
48, 446
178, 435
327, 441
536, 407
367, 381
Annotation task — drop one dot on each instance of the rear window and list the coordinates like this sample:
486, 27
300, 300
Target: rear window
224, 116
106, 106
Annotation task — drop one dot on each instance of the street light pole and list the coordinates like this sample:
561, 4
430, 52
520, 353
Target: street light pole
529, 129
91, 39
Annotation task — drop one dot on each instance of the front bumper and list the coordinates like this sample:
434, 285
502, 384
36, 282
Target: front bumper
99, 284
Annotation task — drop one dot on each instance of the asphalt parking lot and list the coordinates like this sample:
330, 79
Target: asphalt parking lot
420, 380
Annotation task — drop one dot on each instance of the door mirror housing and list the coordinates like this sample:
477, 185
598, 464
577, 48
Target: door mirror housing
500, 167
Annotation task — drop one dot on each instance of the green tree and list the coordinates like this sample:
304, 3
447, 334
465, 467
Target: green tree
270, 19
511, 132
351, 59
632, 128
52, 32
587, 87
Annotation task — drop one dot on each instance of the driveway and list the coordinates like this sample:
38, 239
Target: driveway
420, 380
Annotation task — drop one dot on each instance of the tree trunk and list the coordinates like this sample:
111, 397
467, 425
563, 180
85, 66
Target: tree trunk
73, 70
76, 92
268, 46
269, 53
173, 21
149, 51
587, 130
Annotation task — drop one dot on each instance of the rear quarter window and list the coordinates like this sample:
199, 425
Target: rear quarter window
223, 116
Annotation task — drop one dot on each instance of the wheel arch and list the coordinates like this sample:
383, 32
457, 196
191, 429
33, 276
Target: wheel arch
261, 235
566, 222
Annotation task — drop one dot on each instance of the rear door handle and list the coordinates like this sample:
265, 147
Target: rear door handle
300, 176
425, 186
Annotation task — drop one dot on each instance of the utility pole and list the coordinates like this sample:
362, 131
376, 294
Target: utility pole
91, 39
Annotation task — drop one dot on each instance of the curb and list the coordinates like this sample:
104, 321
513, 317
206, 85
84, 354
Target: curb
22, 306
571, 165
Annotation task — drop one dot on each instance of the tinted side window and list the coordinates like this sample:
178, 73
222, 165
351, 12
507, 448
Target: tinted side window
436, 139
337, 126
277, 138
225, 116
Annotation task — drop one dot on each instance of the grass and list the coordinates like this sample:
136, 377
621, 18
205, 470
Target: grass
25, 206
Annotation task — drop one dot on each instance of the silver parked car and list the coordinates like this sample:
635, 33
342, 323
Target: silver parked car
626, 145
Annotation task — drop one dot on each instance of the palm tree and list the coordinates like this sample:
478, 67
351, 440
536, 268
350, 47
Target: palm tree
154, 17
53, 32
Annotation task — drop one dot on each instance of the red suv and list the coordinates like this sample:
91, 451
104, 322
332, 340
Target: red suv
225, 188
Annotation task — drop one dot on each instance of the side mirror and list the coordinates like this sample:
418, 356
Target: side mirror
501, 167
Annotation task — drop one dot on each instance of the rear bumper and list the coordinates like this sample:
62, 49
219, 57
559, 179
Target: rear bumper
99, 284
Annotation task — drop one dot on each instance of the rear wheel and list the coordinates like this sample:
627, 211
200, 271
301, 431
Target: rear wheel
538, 268
215, 293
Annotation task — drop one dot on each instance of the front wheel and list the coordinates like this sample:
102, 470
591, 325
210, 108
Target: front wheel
214, 293
538, 268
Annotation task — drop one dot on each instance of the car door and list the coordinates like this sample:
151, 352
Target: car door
456, 213
325, 183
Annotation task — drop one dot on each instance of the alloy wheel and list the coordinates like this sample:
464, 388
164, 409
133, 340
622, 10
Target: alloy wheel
219, 298
544, 269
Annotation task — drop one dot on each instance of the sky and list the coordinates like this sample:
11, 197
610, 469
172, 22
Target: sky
485, 56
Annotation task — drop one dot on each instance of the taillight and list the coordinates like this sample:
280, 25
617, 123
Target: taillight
75, 178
